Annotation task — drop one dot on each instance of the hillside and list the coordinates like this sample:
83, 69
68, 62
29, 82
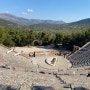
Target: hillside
59, 28
9, 25
6, 23
44, 27
81, 22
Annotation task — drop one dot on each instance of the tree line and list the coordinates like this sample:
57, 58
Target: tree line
28, 37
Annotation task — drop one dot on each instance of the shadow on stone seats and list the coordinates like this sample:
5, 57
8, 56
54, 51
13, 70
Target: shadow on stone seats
88, 75
42, 88
80, 88
5, 87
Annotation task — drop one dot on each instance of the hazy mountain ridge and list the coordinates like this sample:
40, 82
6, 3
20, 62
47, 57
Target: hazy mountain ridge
47, 25
24, 21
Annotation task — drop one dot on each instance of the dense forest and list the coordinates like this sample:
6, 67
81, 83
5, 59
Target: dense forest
20, 38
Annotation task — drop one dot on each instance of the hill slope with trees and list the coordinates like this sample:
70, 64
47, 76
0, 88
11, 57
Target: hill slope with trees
29, 37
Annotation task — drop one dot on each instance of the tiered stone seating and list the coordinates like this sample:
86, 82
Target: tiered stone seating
16, 62
77, 79
19, 72
81, 58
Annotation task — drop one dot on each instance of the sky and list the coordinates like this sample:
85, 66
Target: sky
65, 10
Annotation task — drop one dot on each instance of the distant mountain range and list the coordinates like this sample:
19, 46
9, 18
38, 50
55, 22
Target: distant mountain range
18, 23
24, 21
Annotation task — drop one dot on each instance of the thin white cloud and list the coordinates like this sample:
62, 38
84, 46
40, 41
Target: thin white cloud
24, 13
29, 10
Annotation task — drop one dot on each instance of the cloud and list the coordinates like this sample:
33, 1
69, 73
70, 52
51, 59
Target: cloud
29, 10
24, 13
